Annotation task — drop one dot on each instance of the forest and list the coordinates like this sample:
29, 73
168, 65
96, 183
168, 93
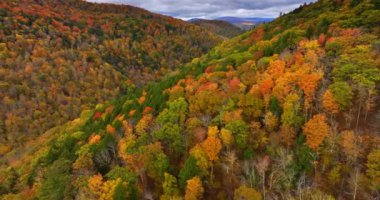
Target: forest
222, 28
60, 57
288, 110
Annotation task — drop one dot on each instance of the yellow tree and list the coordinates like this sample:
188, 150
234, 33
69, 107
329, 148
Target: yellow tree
194, 189
270, 121
143, 125
102, 190
316, 129
246, 193
229, 116
199, 154
124, 145
128, 129
108, 189
276, 68
169, 187
212, 147
292, 111
212, 131
227, 137
95, 184
84, 163
349, 145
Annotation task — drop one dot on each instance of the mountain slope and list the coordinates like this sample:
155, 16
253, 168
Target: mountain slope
59, 57
218, 27
280, 112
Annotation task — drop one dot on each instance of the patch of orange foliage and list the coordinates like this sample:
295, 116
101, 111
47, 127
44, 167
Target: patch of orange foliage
316, 130
94, 139
266, 86
207, 86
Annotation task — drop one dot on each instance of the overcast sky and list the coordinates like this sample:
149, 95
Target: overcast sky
211, 9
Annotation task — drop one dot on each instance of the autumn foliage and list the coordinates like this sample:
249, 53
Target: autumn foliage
72, 55
194, 189
316, 130
287, 110
329, 103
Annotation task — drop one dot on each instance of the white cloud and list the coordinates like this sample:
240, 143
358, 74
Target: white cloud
211, 9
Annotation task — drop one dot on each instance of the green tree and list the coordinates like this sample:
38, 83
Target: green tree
188, 171
170, 135
304, 156
323, 25
373, 169
358, 66
274, 106
172, 120
158, 165
240, 132
342, 93
9, 178
310, 32
120, 192
56, 182
127, 186
175, 113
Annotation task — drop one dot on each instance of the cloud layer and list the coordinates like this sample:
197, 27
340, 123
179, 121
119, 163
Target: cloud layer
211, 9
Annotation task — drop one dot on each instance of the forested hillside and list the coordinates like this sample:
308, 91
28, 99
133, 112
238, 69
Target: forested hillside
59, 57
219, 27
288, 110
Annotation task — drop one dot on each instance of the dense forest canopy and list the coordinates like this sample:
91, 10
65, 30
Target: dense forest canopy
288, 110
60, 57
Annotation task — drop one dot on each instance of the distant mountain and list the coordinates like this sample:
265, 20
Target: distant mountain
245, 23
219, 27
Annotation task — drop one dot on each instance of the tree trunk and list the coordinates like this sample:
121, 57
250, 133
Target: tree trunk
355, 184
367, 108
264, 186
211, 173
358, 117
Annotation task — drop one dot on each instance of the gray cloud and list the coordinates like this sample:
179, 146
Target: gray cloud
210, 9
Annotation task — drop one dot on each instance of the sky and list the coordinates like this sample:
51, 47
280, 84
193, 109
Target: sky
211, 9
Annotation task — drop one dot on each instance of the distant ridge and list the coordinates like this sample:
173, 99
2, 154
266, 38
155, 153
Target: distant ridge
245, 23
250, 19
219, 27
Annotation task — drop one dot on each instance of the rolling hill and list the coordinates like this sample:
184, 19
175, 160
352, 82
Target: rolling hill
60, 57
288, 110
218, 27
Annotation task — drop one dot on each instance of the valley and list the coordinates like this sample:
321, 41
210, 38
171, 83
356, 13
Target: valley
144, 106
